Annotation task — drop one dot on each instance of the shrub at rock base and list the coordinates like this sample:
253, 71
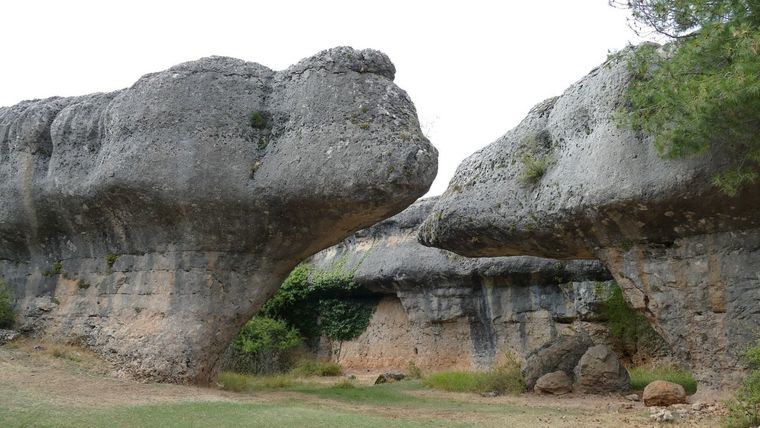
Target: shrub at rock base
504, 379
263, 346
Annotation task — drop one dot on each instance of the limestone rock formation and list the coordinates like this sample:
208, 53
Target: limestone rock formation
568, 182
599, 371
151, 222
555, 383
441, 310
663, 393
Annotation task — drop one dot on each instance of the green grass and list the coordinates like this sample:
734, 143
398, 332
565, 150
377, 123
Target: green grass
205, 414
504, 379
238, 382
643, 376
480, 382
306, 368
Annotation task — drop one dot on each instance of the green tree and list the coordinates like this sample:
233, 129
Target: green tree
702, 90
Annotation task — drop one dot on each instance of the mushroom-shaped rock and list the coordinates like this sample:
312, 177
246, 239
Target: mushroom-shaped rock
150, 223
599, 371
571, 182
663, 393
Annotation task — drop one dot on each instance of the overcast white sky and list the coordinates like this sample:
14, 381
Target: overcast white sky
473, 68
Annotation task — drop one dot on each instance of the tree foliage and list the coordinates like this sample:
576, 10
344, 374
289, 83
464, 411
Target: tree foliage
702, 90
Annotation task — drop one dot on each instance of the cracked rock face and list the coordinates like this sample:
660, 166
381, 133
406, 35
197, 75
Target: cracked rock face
150, 223
685, 254
441, 310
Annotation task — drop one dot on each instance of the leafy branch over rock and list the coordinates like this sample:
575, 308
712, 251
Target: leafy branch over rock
702, 90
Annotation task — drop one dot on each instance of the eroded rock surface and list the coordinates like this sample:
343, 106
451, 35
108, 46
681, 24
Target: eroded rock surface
441, 310
599, 371
150, 223
685, 254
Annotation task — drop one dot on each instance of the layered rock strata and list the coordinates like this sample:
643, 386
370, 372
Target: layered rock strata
441, 310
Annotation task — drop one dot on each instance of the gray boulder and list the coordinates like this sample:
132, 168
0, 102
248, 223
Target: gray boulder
685, 254
599, 371
152, 222
561, 354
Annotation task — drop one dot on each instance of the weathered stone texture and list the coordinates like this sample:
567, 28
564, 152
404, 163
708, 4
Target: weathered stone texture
555, 383
599, 371
174, 218
685, 253
441, 310
663, 393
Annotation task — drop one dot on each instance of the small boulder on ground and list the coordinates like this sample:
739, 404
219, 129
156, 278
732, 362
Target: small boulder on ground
7, 336
599, 371
389, 377
556, 383
663, 393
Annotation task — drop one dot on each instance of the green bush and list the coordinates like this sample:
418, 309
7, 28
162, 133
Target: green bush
744, 411
503, 379
263, 346
643, 376
7, 315
307, 368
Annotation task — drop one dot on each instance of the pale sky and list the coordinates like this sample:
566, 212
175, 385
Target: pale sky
473, 68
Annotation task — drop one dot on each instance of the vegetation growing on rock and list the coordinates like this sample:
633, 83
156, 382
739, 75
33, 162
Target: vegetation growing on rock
309, 303
630, 331
322, 301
